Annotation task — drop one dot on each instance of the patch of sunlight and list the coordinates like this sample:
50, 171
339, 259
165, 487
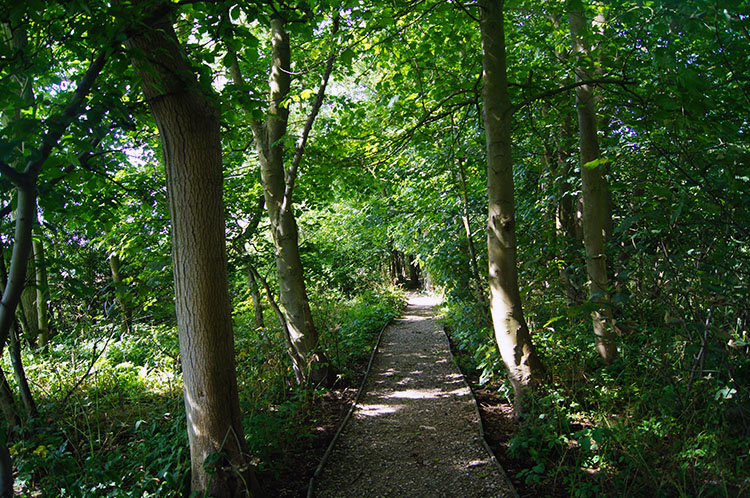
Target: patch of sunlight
416, 394
461, 391
424, 301
427, 393
373, 410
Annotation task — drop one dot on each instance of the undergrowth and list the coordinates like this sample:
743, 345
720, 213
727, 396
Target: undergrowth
633, 428
111, 417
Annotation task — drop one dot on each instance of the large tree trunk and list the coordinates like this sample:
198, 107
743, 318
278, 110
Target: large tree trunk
269, 141
511, 331
189, 129
596, 199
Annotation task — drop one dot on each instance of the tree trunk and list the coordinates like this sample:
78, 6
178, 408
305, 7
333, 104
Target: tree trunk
596, 201
269, 141
297, 361
565, 214
42, 288
413, 272
30, 320
126, 318
20, 374
397, 267
26, 195
15, 352
257, 306
511, 331
188, 125
8, 404
467, 229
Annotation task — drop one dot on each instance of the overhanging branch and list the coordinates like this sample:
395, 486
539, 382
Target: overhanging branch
291, 174
565, 88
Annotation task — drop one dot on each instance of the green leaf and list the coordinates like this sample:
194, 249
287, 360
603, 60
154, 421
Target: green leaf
596, 163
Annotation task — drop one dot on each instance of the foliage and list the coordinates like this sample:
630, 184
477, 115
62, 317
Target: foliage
402, 117
118, 401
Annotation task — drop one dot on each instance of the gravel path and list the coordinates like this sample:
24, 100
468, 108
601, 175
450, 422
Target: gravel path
415, 431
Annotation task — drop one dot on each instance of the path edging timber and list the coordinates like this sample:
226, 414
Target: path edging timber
508, 483
319, 468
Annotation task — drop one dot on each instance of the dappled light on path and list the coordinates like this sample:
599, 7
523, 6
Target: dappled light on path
415, 430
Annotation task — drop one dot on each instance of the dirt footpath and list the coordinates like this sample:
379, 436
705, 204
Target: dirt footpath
415, 431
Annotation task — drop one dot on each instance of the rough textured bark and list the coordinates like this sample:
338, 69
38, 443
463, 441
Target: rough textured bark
596, 199
189, 130
511, 331
277, 181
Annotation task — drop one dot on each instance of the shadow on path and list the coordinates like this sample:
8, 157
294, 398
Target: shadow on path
415, 431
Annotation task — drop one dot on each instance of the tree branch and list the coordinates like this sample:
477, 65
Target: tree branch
466, 10
565, 88
20, 180
291, 174
238, 78
297, 361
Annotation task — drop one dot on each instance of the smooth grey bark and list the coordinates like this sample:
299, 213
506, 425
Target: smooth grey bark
297, 361
188, 125
511, 331
596, 198
292, 291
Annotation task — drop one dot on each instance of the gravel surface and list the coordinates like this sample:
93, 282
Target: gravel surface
415, 430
